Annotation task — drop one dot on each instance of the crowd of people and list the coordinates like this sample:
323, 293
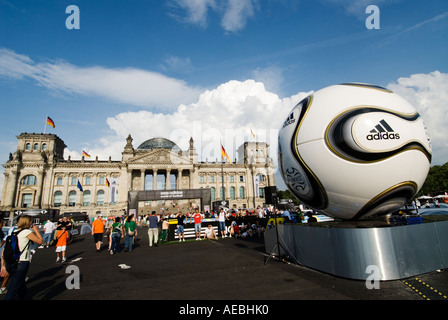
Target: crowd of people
230, 223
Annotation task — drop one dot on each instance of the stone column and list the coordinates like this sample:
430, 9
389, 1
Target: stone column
168, 179
179, 179
40, 182
142, 178
130, 184
154, 179
12, 187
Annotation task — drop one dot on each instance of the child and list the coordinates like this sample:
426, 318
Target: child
165, 227
61, 236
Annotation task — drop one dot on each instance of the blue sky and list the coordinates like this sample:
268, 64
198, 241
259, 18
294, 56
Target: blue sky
207, 68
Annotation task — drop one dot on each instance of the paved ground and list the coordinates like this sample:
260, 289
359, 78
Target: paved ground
224, 270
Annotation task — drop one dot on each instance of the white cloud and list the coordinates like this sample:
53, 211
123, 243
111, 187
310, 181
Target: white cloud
196, 10
177, 64
16, 66
128, 85
428, 93
225, 114
234, 13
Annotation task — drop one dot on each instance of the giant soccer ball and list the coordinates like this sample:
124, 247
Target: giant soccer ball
354, 151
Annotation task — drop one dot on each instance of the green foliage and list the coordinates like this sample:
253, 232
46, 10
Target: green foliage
287, 194
436, 182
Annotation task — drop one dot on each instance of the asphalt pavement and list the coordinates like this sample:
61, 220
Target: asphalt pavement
229, 269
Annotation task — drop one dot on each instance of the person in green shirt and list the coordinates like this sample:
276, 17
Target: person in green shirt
116, 231
131, 232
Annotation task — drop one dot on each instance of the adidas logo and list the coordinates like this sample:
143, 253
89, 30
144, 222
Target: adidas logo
382, 131
289, 120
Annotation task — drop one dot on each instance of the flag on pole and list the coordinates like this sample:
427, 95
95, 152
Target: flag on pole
107, 182
80, 186
252, 133
85, 154
224, 154
50, 122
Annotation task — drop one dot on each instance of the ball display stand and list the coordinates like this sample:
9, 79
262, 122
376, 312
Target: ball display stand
351, 249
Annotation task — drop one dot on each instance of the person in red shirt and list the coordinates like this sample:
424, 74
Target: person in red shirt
197, 224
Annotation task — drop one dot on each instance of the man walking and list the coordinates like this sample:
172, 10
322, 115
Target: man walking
153, 231
97, 232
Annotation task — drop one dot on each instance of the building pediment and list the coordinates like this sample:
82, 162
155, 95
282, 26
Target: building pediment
158, 157
28, 188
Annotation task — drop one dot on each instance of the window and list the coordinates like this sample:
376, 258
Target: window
222, 192
102, 181
149, 180
44, 146
57, 198
212, 179
100, 197
232, 179
201, 179
72, 198
173, 181
241, 178
86, 198
36, 146
88, 181
27, 200
29, 180
59, 181
28, 146
232, 193
241, 192
212, 194
74, 181
261, 192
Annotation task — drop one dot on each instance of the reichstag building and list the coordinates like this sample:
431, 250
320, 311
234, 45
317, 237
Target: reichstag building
157, 175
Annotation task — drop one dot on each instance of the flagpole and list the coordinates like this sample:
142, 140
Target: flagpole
45, 125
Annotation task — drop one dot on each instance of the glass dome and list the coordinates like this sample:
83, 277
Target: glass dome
158, 143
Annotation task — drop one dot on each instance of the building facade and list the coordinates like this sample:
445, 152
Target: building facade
37, 177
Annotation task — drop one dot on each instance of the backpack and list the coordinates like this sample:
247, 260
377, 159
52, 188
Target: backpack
11, 251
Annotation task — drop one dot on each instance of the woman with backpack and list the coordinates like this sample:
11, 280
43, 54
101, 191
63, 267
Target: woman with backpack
17, 284
116, 235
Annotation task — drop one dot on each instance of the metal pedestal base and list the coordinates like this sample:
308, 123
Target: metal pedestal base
398, 252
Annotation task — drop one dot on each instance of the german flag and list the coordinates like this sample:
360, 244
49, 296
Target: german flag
224, 154
85, 154
107, 182
252, 133
50, 122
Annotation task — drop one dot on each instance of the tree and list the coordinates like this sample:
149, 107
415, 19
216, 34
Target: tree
287, 194
436, 182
